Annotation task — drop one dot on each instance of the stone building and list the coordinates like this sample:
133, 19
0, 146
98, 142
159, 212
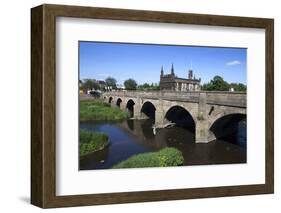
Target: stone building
172, 82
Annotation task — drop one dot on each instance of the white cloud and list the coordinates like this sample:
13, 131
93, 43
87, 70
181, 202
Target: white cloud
233, 63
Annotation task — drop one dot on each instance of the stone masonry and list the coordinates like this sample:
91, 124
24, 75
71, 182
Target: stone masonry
204, 107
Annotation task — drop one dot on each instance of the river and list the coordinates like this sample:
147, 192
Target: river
130, 137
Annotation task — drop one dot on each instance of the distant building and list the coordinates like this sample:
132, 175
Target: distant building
172, 82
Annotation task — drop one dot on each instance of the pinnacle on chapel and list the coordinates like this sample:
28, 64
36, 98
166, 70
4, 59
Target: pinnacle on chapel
172, 69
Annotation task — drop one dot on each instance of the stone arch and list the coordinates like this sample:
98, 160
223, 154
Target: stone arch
130, 107
230, 127
220, 111
110, 100
191, 108
118, 102
148, 110
181, 117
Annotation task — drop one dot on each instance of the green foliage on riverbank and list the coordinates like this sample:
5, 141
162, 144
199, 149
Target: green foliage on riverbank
91, 141
98, 110
219, 84
163, 158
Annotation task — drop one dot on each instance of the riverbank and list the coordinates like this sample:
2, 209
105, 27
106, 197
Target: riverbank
132, 137
90, 142
163, 158
98, 110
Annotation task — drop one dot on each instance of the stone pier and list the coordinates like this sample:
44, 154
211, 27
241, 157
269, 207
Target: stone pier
205, 108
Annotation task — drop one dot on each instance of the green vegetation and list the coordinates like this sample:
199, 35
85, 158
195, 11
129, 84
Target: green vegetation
163, 158
238, 86
93, 84
98, 110
219, 84
111, 82
89, 84
130, 84
91, 142
146, 86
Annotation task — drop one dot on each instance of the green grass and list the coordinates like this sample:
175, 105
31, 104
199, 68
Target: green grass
91, 142
98, 110
163, 158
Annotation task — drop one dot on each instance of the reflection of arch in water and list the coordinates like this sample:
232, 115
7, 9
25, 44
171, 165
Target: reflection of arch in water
181, 117
231, 128
110, 100
146, 128
142, 131
118, 102
130, 107
131, 124
148, 110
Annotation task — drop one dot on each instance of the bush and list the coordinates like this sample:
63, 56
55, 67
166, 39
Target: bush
91, 142
170, 157
163, 158
98, 110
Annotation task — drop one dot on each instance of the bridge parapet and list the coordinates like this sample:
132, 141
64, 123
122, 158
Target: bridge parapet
235, 99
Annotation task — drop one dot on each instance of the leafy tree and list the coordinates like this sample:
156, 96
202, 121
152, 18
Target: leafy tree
80, 84
111, 82
238, 87
96, 85
130, 84
146, 86
156, 86
88, 84
216, 84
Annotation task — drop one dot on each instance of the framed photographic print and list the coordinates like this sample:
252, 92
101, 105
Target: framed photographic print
136, 106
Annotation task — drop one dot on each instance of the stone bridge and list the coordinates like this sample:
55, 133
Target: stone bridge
205, 109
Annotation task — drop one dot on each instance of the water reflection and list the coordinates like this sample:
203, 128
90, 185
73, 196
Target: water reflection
130, 137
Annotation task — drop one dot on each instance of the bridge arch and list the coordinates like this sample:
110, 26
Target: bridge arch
181, 117
130, 107
148, 110
230, 127
110, 100
118, 102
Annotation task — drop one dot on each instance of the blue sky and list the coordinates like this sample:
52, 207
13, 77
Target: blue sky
143, 62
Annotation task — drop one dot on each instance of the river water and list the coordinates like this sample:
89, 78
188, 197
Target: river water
131, 137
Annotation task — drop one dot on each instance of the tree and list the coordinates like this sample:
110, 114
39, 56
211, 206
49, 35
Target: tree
152, 86
144, 86
90, 84
87, 84
238, 87
80, 84
130, 84
216, 84
96, 85
111, 82
155, 86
